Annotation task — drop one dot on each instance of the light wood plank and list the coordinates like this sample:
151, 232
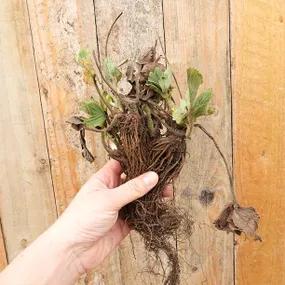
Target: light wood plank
197, 34
3, 254
27, 203
136, 31
60, 29
258, 55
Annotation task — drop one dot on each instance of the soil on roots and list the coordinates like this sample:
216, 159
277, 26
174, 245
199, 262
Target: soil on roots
163, 152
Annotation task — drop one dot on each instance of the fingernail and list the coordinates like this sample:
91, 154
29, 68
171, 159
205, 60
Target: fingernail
150, 179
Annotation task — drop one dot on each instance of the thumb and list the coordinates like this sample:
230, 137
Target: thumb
133, 189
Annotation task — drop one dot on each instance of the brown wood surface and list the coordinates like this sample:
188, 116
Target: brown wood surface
197, 35
27, 203
41, 167
258, 59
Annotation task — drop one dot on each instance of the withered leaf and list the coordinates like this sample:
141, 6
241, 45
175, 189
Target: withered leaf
84, 150
147, 68
124, 87
237, 219
76, 122
149, 56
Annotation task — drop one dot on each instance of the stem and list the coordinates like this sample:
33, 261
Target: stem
222, 156
101, 96
109, 33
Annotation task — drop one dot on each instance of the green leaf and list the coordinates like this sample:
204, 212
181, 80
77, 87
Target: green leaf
83, 54
201, 104
111, 71
194, 80
97, 116
180, 113
160, 81
83, 58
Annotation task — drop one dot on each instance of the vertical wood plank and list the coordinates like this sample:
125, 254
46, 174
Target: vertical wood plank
3, 254
60, 29
27, 203
197, 34
137, 30
258, 56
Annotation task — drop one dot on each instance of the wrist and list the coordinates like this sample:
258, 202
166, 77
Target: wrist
62, 255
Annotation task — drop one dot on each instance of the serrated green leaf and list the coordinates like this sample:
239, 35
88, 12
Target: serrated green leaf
97, 116
180, 113
160, 81
194, 80
201, 104
111, 71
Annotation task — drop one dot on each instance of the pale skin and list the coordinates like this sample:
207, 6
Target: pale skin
85, 234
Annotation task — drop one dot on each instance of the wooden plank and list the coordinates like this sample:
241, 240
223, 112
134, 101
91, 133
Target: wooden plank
27, 203
136, 31
3, 254
258, 55
197, 34
60, 29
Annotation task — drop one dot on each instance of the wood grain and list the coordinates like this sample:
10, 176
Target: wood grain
27, 203
197, 35
258, 55
137, 30
3, 254
60, 29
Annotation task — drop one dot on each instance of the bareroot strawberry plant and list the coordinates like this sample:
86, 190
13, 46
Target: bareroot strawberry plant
143, 128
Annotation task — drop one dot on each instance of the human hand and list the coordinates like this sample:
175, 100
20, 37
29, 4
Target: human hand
90, 225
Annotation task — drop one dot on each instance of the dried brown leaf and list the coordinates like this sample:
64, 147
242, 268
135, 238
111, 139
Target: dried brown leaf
149, 56
76, 122
84, 150
237, 219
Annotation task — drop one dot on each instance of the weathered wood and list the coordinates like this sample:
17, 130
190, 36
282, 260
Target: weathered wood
3, 254
136, 30
60, 29
27, 203
258, 56
197, 35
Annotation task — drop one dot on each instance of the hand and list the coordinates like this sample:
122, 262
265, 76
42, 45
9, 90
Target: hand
85, 234
90, 224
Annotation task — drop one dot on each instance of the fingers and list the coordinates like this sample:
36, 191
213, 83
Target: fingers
133, 189
108, 175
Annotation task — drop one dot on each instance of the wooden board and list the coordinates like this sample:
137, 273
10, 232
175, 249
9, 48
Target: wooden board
258, 58
197, 35
27, 203
3, 254
137, 30
60, 29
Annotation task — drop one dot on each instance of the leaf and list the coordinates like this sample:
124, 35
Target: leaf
124, 87
84, 150
180, 113
111, 71
237, 219
194, 80
97, 116
83, 58
200, 105
160, 81
76, 122
165, 80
